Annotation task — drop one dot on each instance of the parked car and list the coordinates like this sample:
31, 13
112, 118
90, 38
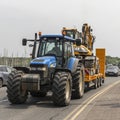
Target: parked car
112, 71
4, 72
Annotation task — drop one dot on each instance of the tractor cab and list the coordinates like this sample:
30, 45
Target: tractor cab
54, 51
73, 33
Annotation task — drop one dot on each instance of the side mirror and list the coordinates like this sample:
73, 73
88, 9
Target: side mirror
24, 42
78, 42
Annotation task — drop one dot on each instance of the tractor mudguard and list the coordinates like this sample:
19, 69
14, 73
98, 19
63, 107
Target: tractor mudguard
72, 64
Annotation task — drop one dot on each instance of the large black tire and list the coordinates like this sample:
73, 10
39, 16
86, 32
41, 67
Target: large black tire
103, 81
95, 84
78, 82
38, 94
14, 91
1, 82
61, 89
100, 81
117, 75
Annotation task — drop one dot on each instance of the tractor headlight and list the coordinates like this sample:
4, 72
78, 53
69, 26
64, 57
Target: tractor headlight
38, 68
52, 65
41, 68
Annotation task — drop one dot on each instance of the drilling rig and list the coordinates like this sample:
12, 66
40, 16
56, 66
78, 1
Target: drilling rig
94, 65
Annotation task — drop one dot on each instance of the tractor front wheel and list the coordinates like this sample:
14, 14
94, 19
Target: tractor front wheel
62, 88
14, 91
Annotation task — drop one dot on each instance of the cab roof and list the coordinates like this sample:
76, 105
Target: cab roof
58, 36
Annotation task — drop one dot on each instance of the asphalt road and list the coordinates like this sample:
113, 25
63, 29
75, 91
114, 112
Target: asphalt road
43, 108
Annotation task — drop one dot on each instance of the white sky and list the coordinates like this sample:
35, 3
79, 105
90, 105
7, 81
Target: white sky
22, 18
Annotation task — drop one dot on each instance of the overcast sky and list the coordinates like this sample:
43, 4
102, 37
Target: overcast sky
22, 18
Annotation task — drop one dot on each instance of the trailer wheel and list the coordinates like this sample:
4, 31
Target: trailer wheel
103, 81
61, 89
95, 84
98, 82
1, 82
78, 83
14, 92
38, 94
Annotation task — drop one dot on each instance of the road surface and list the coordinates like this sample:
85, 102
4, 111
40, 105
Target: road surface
43, 108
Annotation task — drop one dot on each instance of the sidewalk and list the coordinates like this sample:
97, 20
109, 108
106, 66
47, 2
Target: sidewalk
105, 107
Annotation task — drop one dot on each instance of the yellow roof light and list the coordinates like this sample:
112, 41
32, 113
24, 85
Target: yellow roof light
40, 33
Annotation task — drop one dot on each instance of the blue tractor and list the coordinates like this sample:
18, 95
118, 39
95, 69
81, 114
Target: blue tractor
53, 67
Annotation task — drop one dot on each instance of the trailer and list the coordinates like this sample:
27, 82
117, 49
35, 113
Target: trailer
94, 63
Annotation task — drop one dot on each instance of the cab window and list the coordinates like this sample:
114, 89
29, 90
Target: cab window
68, 50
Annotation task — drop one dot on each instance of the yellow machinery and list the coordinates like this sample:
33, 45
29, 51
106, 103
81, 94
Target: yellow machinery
94, 65
74, 33
100, 53
95, 68
88, 39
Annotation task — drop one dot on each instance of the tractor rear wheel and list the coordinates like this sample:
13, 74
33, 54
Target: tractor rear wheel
62, 88
14, 91
78, 83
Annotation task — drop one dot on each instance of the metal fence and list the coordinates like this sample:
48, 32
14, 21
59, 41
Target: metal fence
15, 61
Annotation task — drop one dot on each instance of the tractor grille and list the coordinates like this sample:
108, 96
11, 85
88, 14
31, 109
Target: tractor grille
39, 69
38, 65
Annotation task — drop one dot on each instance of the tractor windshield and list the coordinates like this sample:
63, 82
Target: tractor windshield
73, 34
70, 33
50, 46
